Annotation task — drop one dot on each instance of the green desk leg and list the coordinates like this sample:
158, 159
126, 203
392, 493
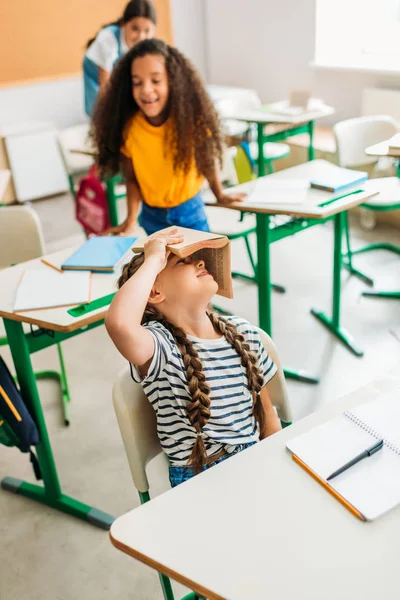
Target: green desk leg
389, 295
264, 289
260, 143
49, 494
311, 152
112, 201
333, 324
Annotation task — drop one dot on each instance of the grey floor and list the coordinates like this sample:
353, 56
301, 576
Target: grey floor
50, 556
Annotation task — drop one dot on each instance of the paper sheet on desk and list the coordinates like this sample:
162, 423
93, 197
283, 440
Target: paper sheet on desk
281, 191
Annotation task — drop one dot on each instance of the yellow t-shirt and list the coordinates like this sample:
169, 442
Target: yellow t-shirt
160, 185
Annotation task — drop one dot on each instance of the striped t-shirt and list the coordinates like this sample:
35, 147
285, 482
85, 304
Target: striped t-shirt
232, 421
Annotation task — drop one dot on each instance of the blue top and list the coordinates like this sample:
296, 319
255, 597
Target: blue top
103, 53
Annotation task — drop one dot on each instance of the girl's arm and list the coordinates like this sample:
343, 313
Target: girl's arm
218, 191
272, 422
133, 199
123, 319
104, 78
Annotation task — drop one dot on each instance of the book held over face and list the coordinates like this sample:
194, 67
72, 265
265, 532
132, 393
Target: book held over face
213, 248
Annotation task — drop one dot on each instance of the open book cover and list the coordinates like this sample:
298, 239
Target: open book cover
213, 248
371, 487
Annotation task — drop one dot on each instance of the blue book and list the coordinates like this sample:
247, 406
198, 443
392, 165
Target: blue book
100, 254
339, 180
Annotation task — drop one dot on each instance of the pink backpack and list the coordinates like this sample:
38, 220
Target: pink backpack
91, 206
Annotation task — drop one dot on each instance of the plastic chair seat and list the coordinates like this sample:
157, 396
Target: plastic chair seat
389, 193
272, 150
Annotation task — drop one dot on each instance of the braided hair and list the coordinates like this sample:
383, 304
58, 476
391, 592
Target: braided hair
198, 407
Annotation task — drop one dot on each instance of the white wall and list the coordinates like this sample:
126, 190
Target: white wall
268, 45
188, 25
59, 102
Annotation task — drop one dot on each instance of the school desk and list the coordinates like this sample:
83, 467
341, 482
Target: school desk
382, 149
265, 117
258, 526
303, 218
51, 326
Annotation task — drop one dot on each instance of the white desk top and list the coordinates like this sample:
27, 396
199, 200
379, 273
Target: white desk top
293, 182
381, 149
56, 319
258, 526
267, 115
4, 179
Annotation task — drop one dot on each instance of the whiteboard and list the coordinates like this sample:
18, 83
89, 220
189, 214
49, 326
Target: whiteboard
36, 164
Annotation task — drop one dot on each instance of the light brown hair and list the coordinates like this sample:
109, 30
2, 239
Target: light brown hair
198, 407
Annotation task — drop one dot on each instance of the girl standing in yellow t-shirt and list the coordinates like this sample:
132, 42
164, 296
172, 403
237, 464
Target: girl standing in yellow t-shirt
157, 123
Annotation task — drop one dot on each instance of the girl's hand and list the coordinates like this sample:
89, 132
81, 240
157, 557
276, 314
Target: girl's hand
125, 228
155, 247
230, 198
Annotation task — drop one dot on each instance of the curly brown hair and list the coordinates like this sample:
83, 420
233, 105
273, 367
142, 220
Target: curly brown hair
194, 131
198, 408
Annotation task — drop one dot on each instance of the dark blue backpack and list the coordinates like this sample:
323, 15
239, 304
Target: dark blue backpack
17, 427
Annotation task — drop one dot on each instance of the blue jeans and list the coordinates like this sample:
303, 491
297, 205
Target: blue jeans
190, 214
178, 475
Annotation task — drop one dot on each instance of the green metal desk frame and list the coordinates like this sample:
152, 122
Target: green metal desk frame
266, 236
21, 347
279, 136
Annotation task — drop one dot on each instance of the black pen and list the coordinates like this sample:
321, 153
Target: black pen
369, 452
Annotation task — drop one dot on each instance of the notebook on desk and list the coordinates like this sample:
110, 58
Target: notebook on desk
47, 288
371, 487
339, 179
100, 253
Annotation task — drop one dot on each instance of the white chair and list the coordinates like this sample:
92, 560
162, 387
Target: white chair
137, 423
229, 106
353, 136
21, 239
75, 138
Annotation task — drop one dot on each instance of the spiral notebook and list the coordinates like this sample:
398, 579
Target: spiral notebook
372, 486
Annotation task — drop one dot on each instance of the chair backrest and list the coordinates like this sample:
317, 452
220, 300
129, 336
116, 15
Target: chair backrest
353, 136
21, 236
75, 138
137, 420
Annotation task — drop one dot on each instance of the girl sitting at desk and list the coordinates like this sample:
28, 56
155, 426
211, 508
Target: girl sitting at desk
205, 375
157, 123
111, 42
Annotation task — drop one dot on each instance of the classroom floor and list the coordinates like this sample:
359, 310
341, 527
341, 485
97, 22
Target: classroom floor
49, 556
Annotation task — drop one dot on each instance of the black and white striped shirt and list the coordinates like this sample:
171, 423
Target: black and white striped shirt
232, 421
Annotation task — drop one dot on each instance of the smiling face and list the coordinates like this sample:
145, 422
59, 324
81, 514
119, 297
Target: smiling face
136, 30
150, 87
186, 280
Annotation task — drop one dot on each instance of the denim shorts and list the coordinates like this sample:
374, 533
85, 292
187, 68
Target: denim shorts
178, 475
190, 214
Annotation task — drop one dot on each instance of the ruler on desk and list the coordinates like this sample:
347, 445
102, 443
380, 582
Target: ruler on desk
84, 309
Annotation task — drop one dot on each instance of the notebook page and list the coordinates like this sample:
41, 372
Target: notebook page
382, 416
327, 447
47, 288
373, 484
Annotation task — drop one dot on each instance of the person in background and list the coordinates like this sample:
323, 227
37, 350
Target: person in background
137, 23
157, 124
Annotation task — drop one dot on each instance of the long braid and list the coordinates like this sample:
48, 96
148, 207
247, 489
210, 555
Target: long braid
198, 408
249, 362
